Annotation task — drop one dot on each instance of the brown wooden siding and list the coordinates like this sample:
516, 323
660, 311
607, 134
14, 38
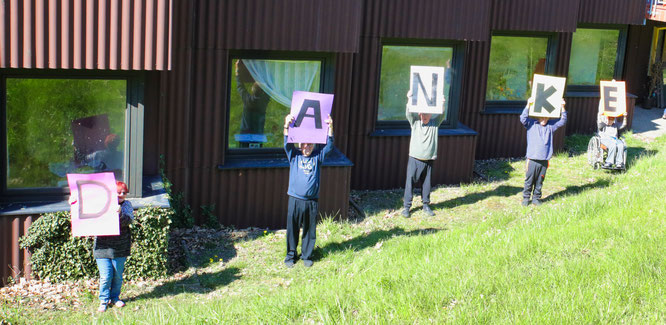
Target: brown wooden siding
93, 34
296, 25
582, 114
612, 12
535, 15
428, 19
14, 261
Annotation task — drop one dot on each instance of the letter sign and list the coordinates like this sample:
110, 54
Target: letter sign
613, 97
310, 111
94, 205
427, 87
547, 92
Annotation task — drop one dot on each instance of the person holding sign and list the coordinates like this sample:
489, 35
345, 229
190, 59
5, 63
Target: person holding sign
539, 150
422, 154
303, 207
609, 132
111, 252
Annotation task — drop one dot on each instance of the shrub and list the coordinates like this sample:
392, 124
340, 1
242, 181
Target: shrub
59, 256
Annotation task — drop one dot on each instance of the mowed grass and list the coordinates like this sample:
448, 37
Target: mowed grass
593, 253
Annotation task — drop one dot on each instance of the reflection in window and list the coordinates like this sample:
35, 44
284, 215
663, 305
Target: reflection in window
61, 126
394, 78
593, 55
260, 97
513, 62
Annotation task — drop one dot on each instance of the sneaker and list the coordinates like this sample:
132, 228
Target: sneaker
427, 210
525, 202
102, 308
608, 165
289, 263
664, 117
620, 166
536, 202
307, 263
405, 212
119, 304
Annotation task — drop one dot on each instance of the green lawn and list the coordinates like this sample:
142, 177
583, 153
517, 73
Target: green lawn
593, 253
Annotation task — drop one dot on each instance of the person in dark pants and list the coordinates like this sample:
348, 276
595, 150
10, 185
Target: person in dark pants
422, 154
539, 150
304, 176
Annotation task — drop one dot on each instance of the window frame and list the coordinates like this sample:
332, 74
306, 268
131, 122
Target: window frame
457, 64
326, 85
619, 55
134, 125
517, 106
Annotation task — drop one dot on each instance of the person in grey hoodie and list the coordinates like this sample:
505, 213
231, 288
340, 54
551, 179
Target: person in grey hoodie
539, 150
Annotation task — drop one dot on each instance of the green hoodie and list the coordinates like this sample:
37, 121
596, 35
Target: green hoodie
423, 142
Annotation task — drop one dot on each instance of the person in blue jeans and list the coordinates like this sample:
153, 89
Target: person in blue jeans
111, 252
303, 206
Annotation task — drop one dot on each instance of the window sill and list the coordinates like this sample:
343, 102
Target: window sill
583, 94
405, 132
335, 158
153, 194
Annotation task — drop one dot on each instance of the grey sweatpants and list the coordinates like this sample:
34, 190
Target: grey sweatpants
534, 175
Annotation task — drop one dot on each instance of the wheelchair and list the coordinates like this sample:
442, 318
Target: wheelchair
597, 154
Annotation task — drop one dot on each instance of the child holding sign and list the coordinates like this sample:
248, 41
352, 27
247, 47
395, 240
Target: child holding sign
539, 150
303, 207
110, 252
609, 132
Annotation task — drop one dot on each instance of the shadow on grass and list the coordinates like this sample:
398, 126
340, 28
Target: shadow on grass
502, 191
368, 240
576, 189
195, 283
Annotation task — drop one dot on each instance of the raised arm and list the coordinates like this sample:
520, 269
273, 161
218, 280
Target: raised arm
411, 117
563, 119
288, 147
524, 116
329, 143
624, 121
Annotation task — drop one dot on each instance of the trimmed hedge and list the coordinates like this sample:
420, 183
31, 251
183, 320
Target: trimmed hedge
59, 256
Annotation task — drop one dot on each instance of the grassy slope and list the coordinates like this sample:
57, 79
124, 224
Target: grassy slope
592, 253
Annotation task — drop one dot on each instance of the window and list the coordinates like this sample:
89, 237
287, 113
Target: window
513, 62
55, 126
260, 97
594, 54
394, 77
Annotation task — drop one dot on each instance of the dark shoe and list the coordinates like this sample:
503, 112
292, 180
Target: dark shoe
289, 263
405, 212
536, 202
427, 210
307, 263
620, 166
608, 165
525, 202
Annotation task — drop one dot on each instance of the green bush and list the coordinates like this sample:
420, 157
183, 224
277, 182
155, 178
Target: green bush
59, 256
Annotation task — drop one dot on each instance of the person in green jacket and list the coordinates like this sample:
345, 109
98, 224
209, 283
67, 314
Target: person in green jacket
422, 154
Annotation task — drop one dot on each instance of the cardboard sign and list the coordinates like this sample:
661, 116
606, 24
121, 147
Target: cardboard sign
95, 208
310, 111
613, 98
547, 92
427, 87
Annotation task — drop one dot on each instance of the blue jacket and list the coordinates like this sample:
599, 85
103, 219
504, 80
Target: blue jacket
304, 171
540, 138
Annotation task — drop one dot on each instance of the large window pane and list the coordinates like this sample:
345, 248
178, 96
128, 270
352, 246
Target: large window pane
593, 55
394, 78
513, 61
60, 126
260, 98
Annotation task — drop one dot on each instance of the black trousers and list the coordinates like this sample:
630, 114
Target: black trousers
534, 176
301, 213
418, 170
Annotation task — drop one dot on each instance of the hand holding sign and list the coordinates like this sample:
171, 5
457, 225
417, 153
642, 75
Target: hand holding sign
306, 122
547, 93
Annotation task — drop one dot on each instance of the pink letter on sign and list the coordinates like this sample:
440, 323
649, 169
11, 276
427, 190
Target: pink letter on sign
310, 111
95, 207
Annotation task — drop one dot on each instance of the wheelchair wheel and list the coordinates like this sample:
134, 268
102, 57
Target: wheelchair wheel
594, 152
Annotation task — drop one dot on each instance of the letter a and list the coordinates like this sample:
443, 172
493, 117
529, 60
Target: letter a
304, 112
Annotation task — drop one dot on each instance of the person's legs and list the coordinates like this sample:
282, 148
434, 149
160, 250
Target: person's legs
619, 155
309, 231
105, 268
293, 226
612, 149
425, 190
530, 178
117, 281
540, 173
409, 182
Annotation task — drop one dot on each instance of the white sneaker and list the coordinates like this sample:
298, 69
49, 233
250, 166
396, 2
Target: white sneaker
101, 308
119, 304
